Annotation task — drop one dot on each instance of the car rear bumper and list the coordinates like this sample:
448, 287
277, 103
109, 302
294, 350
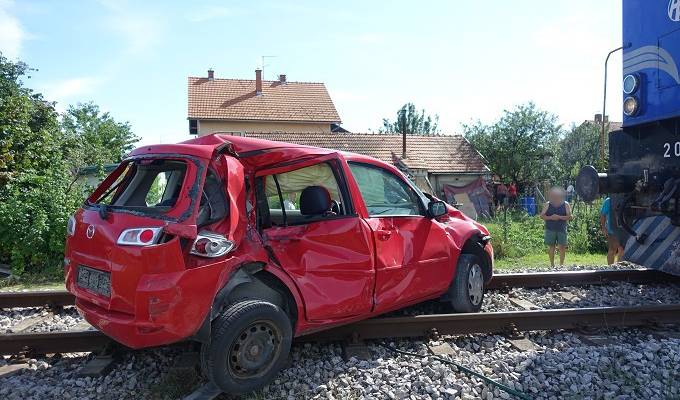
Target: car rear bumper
166, 308
127, 329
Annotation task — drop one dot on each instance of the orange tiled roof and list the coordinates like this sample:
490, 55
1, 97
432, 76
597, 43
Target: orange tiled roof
235, 99
611, 126
437, 154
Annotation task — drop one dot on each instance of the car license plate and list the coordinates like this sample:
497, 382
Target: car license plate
94, 280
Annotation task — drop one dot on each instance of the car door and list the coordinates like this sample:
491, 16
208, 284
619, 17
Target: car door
328, 255
413, 253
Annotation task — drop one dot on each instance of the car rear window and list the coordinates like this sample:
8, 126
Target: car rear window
148, 185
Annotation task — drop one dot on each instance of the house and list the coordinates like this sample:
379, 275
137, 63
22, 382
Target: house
244, 105
610, 125
431, 161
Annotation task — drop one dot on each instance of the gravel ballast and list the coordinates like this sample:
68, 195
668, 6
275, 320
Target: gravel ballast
632, 364
636, 365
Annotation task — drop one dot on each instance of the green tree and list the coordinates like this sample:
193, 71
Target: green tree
94, 138
29, 136
39, 162
412, 122
520, 146
579, 147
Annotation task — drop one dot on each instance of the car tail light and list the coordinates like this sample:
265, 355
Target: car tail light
139, 236
209, 244
71, 226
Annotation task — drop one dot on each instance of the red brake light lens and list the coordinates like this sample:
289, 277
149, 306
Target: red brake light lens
209, 244
139, 236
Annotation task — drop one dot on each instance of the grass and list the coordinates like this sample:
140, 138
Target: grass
50, 279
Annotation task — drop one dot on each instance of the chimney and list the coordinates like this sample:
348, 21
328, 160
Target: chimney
258, 81
211, 74
282, 78
598, 118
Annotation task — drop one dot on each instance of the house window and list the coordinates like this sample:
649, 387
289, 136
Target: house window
193, 127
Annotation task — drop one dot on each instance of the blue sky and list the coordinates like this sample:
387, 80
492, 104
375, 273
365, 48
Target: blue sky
463, 60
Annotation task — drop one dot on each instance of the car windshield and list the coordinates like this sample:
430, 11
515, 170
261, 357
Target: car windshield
147, 185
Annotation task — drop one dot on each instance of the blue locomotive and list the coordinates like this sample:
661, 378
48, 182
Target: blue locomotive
643, 178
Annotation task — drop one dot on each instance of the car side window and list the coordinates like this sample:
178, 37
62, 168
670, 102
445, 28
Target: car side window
384, 193
301, 196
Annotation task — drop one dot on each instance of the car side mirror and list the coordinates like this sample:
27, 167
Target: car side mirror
436, 208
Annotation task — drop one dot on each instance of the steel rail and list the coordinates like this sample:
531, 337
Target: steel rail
499, 281
400, 327
502, 322
53, 342
36, 298
580, 278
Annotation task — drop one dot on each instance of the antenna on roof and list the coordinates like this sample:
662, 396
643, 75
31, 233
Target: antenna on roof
264, 65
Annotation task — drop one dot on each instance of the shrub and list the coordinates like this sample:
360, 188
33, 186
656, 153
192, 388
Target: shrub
33, 215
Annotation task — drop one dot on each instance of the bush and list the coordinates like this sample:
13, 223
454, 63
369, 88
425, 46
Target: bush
33, 215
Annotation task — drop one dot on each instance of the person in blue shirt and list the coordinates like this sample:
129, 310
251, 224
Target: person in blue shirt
614, 248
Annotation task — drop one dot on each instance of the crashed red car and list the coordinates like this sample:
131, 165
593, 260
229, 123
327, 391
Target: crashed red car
242, 244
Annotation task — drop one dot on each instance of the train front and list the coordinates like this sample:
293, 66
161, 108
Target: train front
643, 178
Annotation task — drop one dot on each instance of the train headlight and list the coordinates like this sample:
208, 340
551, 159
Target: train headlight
630, 106
630, 83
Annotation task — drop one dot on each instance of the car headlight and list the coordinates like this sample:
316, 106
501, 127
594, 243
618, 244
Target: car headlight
630, 83
630, 106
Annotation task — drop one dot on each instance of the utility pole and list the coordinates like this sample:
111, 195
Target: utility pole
604, 101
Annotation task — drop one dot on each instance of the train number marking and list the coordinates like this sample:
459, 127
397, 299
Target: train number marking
671, 149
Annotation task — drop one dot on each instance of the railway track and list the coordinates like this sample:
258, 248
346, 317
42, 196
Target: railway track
415, 326
500, 281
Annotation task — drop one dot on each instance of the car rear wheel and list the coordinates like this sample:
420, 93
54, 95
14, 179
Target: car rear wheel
249, 345
467, 291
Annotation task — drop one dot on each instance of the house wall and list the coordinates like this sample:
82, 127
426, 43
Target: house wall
206, 127
439, 180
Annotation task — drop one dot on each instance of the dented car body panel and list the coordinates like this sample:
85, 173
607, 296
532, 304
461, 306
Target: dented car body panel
358, 256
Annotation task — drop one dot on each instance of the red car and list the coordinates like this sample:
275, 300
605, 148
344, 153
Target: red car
242, 244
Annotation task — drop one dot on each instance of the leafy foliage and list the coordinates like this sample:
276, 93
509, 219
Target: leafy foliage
579, 147
412, 122
518, 234
520, 145
39, 163
94, 138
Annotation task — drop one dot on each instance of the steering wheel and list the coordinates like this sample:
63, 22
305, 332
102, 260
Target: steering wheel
335, 207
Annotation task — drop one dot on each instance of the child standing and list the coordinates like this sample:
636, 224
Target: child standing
556, 212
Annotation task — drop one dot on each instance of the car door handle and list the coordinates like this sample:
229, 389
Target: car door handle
384, 234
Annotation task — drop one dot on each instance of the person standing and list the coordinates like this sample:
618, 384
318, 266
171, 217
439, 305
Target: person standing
614, 248
570, 193
501, 194
512, 194
556, 212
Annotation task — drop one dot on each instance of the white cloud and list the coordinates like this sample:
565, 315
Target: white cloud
70, 89
11, 32
210, 12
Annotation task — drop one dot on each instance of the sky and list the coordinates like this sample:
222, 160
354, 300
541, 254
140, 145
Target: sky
462, 60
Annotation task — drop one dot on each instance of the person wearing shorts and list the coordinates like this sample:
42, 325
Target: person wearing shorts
614, 248
556, 212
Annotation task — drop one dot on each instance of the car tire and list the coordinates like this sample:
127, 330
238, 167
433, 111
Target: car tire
467, 290
249, 345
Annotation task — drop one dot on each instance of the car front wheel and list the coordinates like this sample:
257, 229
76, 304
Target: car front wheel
467, 290
249, 345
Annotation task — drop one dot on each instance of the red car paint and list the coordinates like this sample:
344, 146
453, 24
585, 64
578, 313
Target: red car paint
337, 270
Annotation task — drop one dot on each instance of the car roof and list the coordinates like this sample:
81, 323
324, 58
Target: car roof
247, 148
